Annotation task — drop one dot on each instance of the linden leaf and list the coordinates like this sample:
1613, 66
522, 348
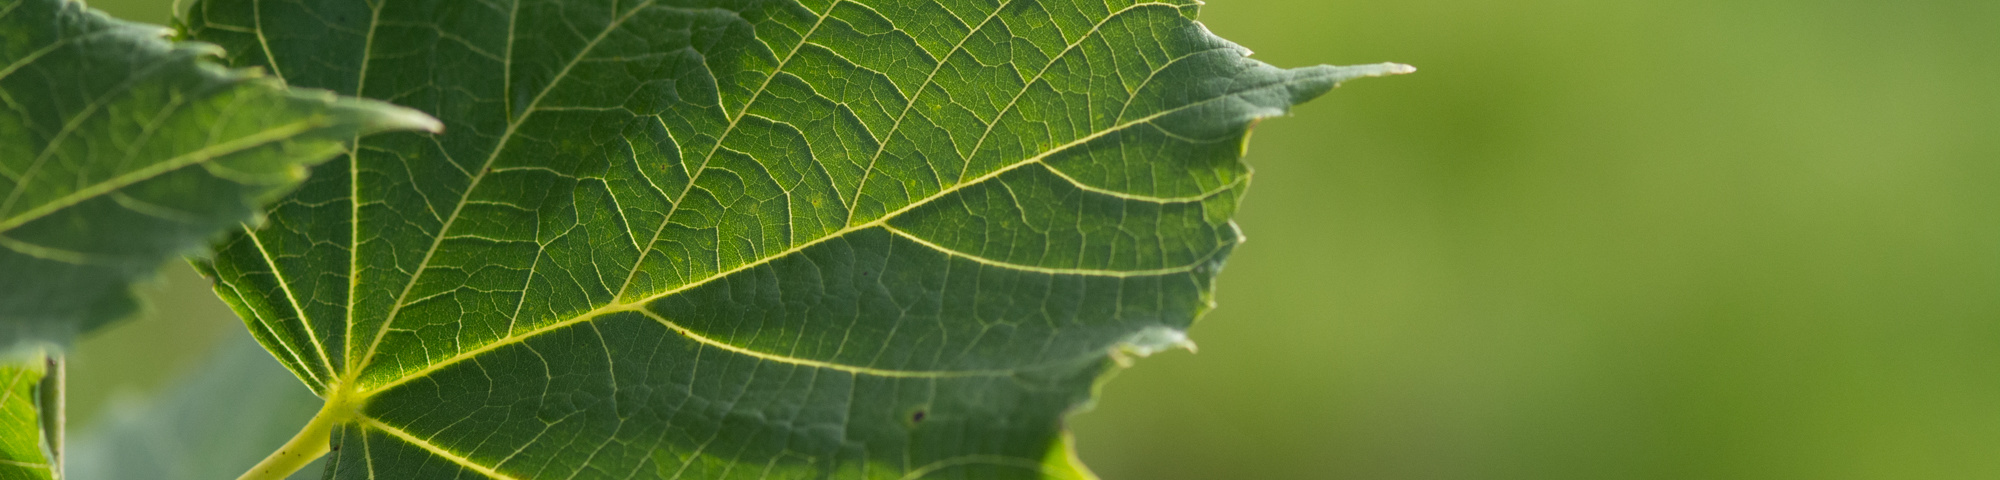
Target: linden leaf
886, 239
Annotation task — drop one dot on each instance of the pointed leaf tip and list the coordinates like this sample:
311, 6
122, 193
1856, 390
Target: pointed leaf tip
374, 116
1385, 69
400, 118
1311, 82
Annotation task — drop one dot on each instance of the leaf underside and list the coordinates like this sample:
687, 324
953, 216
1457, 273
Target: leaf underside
741, 238
120, 150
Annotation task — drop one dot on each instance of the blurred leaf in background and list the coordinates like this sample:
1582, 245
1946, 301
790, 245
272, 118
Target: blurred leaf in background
1641, 239
182, 324
215, 422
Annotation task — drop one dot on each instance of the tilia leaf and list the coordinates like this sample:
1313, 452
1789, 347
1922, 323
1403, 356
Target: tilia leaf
742, 238
120, 149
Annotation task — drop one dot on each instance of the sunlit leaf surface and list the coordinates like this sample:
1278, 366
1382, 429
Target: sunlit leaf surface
120, 149
741, 238
22, 454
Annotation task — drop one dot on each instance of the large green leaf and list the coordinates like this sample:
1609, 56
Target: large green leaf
908, 253
120, 149
23, 449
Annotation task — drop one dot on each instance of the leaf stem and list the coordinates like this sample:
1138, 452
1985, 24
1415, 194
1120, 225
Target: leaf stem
309, 444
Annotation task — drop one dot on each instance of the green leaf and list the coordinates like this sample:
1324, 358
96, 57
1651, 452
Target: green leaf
639, 251
214, 423
23, 450
120, 149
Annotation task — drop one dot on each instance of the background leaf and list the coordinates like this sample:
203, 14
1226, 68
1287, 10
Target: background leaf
908, 252
119, 150
23, 453
216, 422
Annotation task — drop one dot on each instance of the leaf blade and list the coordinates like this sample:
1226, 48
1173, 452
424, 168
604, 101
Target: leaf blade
756, 238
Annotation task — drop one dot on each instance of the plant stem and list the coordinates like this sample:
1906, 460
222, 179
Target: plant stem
312, 442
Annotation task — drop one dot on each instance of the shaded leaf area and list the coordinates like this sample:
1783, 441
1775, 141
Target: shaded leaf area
120, 149
744, 238
23, 453
215, 422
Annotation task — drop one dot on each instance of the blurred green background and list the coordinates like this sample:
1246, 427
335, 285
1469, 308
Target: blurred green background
1590, 239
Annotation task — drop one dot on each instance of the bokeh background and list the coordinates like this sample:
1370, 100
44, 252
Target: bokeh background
1635, 239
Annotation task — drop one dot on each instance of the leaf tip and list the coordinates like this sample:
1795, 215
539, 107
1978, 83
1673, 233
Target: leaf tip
400, 118
1373, 70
